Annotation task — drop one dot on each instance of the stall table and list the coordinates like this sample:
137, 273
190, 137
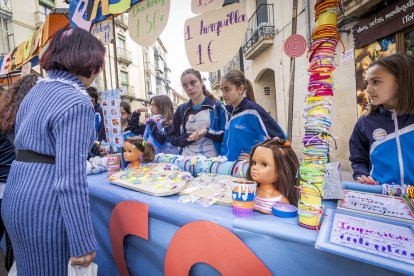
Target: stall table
283, 246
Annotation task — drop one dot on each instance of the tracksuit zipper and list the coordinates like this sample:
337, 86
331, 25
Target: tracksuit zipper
397, 138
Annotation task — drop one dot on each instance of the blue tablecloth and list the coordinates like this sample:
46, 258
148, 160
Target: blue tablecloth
283, 246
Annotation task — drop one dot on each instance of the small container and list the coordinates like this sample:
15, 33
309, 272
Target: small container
243, 193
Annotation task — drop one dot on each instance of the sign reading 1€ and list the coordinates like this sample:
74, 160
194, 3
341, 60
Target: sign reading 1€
147, 19
213, 38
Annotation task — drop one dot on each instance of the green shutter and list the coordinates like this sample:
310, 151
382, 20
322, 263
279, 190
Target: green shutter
47, 3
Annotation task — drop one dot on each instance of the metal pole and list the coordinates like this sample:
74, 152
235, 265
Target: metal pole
115, 53
110, 67
292, 72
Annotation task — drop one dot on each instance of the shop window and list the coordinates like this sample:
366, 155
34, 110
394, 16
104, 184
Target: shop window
409, 42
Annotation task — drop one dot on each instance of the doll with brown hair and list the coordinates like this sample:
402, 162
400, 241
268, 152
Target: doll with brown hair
137, 151
273, 165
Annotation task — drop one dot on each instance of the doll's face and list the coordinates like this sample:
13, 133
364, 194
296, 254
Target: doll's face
263, 166
131, 154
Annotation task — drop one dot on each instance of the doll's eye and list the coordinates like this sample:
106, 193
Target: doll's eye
265, 165
254, 163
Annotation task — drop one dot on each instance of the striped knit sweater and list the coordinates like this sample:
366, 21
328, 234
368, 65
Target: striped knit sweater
46, 207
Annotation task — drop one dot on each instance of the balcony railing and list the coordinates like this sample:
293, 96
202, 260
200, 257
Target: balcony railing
124, 55
127, 90
121, 21
40, 18
261, 27
150, 68
214, 78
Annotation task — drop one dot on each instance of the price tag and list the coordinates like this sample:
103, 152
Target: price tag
213, 38
147, 20
103, 31
202, 6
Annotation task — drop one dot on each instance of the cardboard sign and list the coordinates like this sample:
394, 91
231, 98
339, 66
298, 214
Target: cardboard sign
202, 6
113, 164
103, 31
377, 204
147, 20
379, 238
213, 38
111, 100
347, 57
26, 69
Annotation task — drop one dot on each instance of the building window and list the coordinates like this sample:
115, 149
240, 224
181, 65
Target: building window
45, 7
409, 42
6, 34
121, 42
267, 91
124, 82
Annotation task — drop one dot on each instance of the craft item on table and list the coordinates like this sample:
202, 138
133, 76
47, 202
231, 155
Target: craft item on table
284, 210
188, 199
113, 164
313, 172
155, 179
393, 208
333, 181
243, 193
295, 45
406, 191
96, 164
213, 187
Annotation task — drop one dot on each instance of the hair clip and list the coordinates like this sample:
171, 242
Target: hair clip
287, 144
134, 147
143, 144
276, 138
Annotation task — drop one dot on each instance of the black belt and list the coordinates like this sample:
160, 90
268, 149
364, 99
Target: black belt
34, 157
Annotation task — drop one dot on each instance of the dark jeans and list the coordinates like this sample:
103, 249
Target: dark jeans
9, 257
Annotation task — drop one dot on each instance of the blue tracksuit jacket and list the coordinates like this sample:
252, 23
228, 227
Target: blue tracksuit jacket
382, 146
249, 124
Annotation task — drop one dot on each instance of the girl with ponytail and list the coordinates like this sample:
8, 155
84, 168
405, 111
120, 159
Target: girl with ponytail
249, 124
198, 125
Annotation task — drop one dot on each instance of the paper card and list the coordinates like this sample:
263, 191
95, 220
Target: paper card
378, 238
26, 69
103, 31
377, 204
147, 20
113, 164
213, 38
202, 6
347, 57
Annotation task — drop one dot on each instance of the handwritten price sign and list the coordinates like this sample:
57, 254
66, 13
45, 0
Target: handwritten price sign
103, 31
202, 6
147, 19
213, 38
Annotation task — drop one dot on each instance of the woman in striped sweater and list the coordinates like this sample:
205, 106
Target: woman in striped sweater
45, 205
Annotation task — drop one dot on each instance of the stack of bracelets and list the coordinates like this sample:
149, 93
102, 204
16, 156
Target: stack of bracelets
321, 56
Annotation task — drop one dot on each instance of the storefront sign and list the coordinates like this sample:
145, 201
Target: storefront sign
388, 21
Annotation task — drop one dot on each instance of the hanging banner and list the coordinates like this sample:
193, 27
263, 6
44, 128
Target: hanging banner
213, 38
202, 6
111, 100
103, 31
147, 20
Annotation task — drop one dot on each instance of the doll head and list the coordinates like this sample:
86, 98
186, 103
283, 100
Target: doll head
136, 147
274, 161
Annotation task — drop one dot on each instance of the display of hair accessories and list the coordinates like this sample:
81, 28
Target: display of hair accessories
318, 123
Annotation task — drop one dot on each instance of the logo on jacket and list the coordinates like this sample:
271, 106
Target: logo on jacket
239, 127
379, 134
191, 118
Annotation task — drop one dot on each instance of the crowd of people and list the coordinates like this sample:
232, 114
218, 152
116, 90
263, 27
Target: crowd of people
50, 126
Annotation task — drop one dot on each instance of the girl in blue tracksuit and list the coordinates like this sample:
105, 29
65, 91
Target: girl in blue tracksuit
249, 124
381, 146
159, 125
198, 125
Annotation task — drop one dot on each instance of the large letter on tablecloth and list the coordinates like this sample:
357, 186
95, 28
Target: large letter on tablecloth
127, 217
207, 242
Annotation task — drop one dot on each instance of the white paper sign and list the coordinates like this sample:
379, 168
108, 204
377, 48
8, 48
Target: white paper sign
388, 240
202, 6
213, 38
26, 69
103, 31
347, 57
147, 19
377, 204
